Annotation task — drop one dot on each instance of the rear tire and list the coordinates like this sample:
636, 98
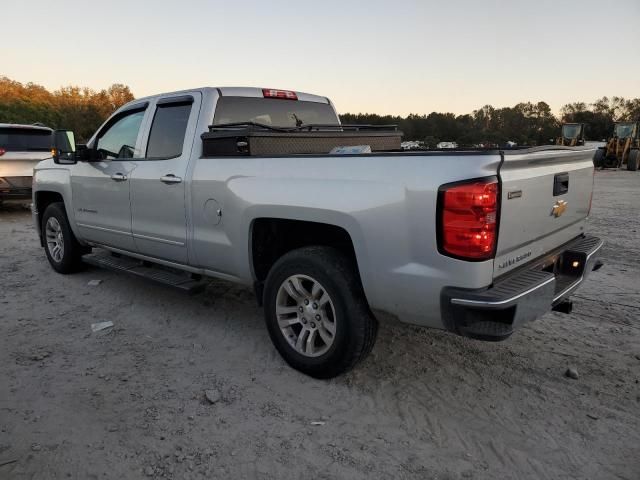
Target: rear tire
598, 158
60, 244
316, 312
632, 161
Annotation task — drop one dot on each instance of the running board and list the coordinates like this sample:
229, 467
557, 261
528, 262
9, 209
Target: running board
180, 280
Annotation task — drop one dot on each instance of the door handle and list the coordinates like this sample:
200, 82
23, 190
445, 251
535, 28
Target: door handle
118, 177
170, 178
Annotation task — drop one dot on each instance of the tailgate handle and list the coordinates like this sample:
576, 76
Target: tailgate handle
560, 184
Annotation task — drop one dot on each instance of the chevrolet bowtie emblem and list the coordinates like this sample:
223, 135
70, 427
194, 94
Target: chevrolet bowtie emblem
559, 208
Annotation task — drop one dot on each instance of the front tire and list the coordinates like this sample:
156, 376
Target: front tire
60, 244
316, 312
632, 161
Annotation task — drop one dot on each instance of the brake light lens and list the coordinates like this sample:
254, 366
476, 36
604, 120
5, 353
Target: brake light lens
282, 94
468, 223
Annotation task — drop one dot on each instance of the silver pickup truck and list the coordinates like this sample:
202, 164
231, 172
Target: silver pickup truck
477, 242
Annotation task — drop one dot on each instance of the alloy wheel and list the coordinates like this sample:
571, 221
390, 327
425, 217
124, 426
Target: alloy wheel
54, 239
306, 315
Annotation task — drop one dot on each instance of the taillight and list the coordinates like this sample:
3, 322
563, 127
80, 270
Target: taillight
468, 219
2, 151
283, 94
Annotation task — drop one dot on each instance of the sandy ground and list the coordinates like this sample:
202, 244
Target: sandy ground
130, 402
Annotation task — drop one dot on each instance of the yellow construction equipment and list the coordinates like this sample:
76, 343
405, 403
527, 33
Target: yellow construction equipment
572, 135
622, 148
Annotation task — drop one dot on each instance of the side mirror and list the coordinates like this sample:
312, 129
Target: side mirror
83, 153
64, 147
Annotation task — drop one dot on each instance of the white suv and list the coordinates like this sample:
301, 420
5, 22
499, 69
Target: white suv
21, 148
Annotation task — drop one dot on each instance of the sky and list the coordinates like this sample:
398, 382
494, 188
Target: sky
386, 57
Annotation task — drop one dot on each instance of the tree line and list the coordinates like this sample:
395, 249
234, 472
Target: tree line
525, 123
82, 109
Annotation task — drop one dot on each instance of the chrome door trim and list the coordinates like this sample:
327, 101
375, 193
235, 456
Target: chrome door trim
157, 239
103, 229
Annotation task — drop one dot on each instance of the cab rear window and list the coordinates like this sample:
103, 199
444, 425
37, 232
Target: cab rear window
273, 112
25, 140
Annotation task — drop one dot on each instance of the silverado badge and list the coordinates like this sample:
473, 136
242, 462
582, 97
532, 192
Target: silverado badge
559, 208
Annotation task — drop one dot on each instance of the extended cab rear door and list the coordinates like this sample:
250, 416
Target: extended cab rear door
158, 183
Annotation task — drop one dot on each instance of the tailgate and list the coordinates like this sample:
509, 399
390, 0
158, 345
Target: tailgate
546, 195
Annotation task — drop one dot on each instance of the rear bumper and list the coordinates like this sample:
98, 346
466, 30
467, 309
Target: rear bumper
523, 295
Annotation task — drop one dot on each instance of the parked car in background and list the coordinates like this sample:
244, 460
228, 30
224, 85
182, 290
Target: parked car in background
413, 145
21, 148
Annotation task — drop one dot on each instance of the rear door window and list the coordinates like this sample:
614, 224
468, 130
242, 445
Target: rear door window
168, 129
25, 140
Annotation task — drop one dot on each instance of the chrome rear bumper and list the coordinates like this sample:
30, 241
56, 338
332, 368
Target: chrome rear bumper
523, 295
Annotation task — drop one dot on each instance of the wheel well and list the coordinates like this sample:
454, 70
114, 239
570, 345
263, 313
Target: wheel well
43, 200
273, 237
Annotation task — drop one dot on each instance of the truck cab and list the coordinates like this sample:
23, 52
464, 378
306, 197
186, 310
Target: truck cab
138, 160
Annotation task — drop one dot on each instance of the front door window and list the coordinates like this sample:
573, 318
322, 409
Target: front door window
118, 141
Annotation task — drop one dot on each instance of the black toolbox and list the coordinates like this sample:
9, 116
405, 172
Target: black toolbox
254, 139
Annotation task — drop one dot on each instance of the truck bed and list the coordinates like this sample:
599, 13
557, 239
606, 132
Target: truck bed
387, 201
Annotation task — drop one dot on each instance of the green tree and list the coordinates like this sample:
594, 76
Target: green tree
77, 108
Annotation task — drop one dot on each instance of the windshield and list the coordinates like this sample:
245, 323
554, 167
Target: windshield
25, 140
624, 130
274, 112
571, 131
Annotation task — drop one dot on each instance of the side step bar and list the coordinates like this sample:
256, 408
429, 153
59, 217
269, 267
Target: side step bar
181, 281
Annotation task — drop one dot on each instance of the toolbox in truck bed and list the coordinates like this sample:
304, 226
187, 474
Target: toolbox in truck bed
256, 139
